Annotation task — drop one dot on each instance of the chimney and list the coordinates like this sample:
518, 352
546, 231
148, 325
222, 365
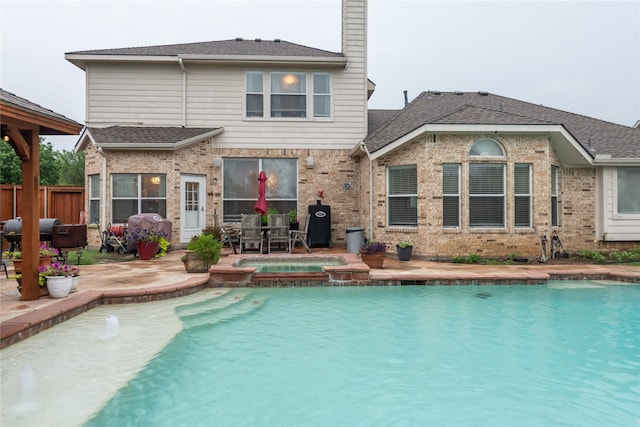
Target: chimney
406, 99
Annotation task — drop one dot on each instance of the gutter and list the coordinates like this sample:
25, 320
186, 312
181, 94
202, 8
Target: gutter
184, 92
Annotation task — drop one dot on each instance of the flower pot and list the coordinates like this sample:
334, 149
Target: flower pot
373, 260
147, 250
194, 264
45, 261
404, 254
75, 281
17, 265
294, 225
59, 286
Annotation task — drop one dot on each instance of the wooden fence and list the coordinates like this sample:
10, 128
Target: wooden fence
62, 202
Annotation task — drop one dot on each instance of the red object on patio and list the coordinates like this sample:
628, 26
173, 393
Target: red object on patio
261, 204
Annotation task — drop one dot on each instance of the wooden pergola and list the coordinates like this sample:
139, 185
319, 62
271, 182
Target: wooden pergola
22, 124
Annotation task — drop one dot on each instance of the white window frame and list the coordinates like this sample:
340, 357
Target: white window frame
555, 206
245, 202
451, 195
94, 199
310, 96
410, 194
616, 196
139, 198
527, 195
501, 195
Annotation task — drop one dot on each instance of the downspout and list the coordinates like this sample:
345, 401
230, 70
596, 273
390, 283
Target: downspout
103, 189
184, 92
364, 148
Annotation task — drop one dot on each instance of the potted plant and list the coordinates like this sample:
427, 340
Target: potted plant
202, 251
293, 220
373, 253
146, 241
16, 258
265, 217
404, 249
58, 278
46, 253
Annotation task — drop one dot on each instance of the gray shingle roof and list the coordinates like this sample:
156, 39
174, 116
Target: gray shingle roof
9, 98
378, 117
483, 108
144, 135
237, 47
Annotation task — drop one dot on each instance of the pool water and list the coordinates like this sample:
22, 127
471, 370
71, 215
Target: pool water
290, 265
566, 354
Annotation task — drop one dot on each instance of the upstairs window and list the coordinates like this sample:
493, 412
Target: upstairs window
255, 94
402, 196
321, 95
287, 95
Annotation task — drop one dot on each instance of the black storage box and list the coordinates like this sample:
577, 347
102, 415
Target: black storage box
319, 233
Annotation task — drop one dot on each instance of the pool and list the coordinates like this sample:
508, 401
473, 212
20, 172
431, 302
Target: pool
567, 353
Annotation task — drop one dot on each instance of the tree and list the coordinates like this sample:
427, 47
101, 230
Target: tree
56, 168
49, 166
10, 165
71, 167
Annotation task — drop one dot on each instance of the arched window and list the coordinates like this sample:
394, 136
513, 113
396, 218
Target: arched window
486, 147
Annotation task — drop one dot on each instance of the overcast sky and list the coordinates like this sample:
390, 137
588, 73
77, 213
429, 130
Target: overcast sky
578, 56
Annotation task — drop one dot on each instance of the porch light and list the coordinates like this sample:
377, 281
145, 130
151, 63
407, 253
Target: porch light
310, 162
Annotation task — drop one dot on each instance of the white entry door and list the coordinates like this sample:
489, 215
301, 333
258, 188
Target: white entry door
192, 206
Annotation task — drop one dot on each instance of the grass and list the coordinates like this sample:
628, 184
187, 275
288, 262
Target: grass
89, 257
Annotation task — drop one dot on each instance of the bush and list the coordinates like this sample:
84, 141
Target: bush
206, 246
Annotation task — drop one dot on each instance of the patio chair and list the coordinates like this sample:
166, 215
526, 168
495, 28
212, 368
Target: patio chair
250, 231
228, 235
300, 235
278, 230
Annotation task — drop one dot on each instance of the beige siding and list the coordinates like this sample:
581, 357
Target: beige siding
135, 95
151, 95
615, 227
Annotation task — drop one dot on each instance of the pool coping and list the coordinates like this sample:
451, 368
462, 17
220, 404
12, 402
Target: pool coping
25, 325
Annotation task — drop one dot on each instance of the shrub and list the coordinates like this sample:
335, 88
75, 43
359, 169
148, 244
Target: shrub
206, 246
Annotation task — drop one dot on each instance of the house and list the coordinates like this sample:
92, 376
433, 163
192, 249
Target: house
184, 130
479, 173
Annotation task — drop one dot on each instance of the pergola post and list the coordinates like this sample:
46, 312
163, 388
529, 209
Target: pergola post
22, 124
31, 218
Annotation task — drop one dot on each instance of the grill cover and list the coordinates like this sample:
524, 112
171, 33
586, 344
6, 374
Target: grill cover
151, 221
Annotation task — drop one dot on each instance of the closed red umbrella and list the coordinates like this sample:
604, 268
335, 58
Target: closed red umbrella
261, 204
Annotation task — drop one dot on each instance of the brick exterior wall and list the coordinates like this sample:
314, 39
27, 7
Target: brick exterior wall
576, 195
334, 172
